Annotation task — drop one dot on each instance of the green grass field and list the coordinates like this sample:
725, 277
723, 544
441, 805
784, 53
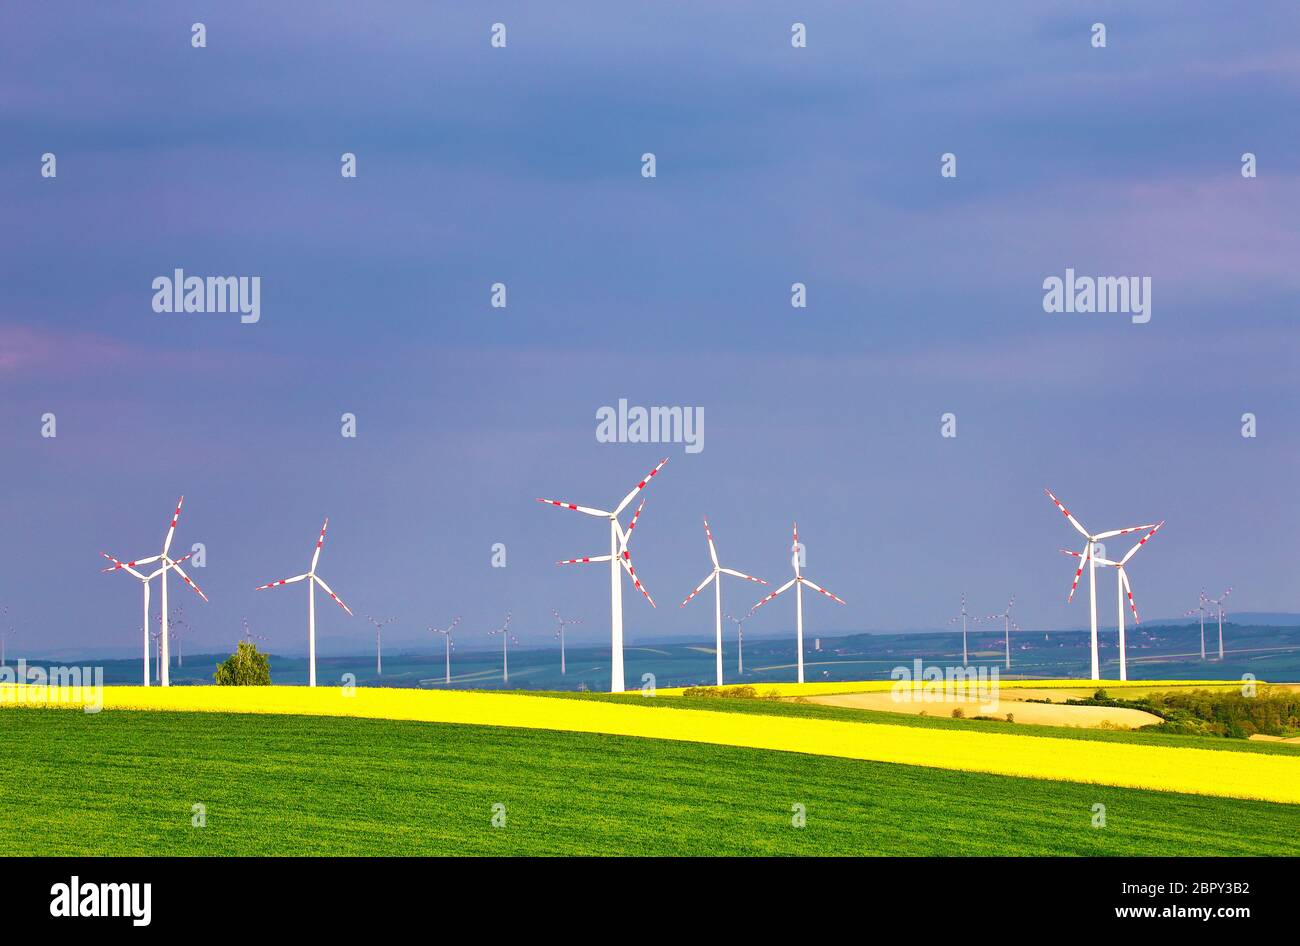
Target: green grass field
123, 783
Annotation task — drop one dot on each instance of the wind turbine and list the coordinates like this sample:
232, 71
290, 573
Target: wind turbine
1123, 589
506, 638
1087, 558
559, 632
1200, 606
1008, 622
1216, 604
249, 635
177, 622
740, 643
168, 564
446, 633
379, 643
618, 556
798, 581
963, 616
5, 632
715, 576
144, 580
311, 601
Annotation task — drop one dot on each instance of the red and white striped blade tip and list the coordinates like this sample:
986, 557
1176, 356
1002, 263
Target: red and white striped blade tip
639, 486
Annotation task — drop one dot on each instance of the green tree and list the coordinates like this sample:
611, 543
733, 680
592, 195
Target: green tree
246, 667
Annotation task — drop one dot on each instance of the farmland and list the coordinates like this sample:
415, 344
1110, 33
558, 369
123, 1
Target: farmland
126, 782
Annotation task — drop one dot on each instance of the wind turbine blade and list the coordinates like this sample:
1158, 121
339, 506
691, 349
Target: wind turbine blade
1065, 512
319, 542
732, 571
584, 561
794, 550
1083, 561
786, 587
816, 587
1129, 591
639, 486
1125, 531
626, 562
126, 566
171, 530
137, 561
186, 578
329, 591
702, 585
1133, 551
587, 509
626, 537
713, 552
282, 581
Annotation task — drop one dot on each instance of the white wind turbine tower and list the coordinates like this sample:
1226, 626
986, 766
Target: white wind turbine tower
313, 581
7, 630
148, 619
446, 633
1008, 623
1087, 558
559, 632
168, 564
963, 617
1123, 590
618, 557
798, 581
506, 638
1200, 606
740, 643
715, 576
1216, 604
379, 642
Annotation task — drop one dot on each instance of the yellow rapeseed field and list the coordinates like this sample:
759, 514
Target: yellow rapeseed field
1195, 771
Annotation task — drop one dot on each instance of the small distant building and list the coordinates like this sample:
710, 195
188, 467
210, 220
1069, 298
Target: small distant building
817, 643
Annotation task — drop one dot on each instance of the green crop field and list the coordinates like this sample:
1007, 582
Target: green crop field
125, 782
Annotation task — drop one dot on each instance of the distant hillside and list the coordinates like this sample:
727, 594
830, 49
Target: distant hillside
1242, 618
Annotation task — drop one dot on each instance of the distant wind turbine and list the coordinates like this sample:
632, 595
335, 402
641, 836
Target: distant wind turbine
1008, 623
249, 635
506, 638
446, 633
1200, 606
618, 557
963, 617
1087, 558
561, 624
715, 576
740, 643
798, 581
379, 641
1124, 589
1216, 604
7, 630
168, 564
313, 581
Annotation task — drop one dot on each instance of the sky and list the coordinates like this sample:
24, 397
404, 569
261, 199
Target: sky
523, 165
